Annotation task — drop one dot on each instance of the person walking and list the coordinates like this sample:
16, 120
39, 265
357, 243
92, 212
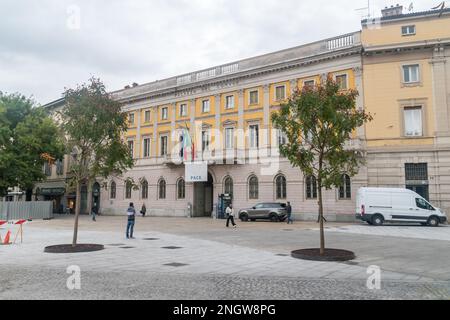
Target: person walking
143, 210
230, 214
131, 214
94, 212
289, 213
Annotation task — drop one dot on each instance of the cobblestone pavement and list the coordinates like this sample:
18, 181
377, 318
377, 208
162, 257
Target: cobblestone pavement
200, 259
405, 231
47, 283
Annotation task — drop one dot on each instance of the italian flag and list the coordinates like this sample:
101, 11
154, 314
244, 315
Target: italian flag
187, 144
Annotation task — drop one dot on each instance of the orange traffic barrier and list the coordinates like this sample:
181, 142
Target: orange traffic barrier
6, 241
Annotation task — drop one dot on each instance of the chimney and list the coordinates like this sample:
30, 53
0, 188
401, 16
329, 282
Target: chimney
392, 11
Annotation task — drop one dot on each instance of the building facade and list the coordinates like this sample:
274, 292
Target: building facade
398, 63
407, 88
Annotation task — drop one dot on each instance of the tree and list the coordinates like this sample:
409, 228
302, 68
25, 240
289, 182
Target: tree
318, 122
26, 134
94, 125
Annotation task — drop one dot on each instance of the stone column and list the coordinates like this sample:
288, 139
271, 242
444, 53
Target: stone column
440, 86
240, 132
137, 146
154, 146
216, 132
357, 71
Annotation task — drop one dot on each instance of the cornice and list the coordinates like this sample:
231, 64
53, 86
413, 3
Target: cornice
231, 80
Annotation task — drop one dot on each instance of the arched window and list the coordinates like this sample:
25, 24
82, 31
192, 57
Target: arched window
181, 189
128, 187
253, 188
162, 189
280, 186
228, 185
112, 193
345, 190
144, 189
311, 187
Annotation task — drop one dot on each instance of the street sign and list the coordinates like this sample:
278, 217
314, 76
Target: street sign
196, 172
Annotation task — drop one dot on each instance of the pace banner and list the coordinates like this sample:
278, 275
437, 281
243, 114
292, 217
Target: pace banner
196, 172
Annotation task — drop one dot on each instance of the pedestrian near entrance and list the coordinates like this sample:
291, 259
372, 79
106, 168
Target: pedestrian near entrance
230, 214
131, 214
94, 212
289, 213
143, 210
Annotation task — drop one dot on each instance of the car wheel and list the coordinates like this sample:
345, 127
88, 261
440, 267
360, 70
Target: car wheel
377, 220
244, 217
433, 222
274, 218
370, 223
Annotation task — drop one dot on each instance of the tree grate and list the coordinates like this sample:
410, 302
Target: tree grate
176, 264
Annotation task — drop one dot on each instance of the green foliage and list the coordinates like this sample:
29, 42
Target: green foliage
26, 132
94, 125
317, 122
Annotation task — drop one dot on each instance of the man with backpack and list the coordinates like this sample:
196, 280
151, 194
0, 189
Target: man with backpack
131, 214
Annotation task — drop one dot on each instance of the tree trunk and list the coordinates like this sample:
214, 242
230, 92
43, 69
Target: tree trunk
77, 214
322, 233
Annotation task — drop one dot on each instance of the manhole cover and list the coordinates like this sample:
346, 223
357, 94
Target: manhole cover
116, 244
282, 255
171, 247
151, 239
127, 247
176, 264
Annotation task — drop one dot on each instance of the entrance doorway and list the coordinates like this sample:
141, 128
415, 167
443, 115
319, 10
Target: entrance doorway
203, 198
422, 190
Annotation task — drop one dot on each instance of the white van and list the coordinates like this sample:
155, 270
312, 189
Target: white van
377, 205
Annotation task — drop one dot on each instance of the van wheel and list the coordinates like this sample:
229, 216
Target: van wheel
377, 220
433, 222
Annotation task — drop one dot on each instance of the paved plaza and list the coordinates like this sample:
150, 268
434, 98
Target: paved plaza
177, 258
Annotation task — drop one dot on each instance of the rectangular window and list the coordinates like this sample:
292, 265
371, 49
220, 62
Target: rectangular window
147, 116
281, 138
408, 30
229, 102
205, 140
254, 136
131, 118
59, 167
309, 84
413, 121
253, 97
341, 80
131, 147
229, 138
146, 147
47, 169
164, 140
164, 113
183, 110
411, 73
205, 106
280, 93
416, 171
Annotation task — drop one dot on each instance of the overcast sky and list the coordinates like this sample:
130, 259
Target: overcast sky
46, 46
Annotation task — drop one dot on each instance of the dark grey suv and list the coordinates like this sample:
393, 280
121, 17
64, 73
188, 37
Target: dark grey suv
268, 210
